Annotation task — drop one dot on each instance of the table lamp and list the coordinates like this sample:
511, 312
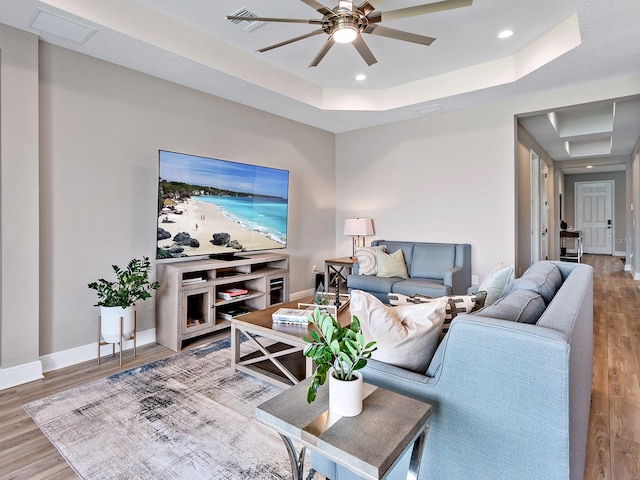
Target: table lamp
357, 228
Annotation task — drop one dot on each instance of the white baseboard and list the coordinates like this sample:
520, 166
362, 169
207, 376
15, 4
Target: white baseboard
72, 356
302, 294
27, 372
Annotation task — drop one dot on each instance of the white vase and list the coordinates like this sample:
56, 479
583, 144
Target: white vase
110, 323
345, 396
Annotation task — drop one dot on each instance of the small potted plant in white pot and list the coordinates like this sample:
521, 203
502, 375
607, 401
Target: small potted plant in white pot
338, 352
117, 299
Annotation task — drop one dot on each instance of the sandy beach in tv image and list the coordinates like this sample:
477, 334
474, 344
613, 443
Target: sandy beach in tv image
201, 220
256, 222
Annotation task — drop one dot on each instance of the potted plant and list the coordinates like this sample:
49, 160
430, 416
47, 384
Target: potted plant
117, 299
337, 352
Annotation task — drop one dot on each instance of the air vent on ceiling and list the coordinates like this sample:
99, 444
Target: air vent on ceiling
429, 109
61, 27
249, 25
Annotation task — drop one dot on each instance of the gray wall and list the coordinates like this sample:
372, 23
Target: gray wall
93, 202
19, 190
526, 143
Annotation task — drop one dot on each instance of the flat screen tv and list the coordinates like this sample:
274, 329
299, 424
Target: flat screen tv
218, 208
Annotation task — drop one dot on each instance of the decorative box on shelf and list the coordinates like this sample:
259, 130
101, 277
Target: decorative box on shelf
330, 305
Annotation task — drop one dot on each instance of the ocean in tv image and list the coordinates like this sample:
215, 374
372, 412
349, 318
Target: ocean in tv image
211, 206
266, 216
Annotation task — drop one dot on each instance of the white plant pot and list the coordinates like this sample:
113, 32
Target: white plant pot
110, 323
345, 397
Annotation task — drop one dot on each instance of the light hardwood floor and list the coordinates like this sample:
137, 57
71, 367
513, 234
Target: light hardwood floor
614, 433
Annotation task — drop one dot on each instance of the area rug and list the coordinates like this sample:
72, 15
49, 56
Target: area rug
187, 416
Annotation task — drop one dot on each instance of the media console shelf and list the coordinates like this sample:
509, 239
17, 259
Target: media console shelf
199, 297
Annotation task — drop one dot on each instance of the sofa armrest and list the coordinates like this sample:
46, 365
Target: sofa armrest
502, 387
457, 279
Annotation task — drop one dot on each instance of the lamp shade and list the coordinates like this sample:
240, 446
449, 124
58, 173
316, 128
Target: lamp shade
358, 227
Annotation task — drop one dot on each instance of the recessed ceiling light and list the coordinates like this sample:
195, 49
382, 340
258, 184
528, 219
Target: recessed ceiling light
589, 166
361, 76
505, 34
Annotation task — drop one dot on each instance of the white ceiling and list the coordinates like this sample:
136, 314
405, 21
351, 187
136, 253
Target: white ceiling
556, 43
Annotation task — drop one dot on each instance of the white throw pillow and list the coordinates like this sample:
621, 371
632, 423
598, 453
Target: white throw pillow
495, 282
406, 336
368, 259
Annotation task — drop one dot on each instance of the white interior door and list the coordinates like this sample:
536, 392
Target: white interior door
594, 216
539, 209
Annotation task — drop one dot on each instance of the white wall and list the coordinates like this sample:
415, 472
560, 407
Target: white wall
448, 177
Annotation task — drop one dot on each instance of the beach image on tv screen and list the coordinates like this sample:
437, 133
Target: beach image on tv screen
208, 206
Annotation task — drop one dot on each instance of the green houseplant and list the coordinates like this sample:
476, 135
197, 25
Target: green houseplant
337, 352
117, 299
132, 284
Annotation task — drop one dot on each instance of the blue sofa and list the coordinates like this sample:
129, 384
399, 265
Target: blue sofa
510, 399
435, 270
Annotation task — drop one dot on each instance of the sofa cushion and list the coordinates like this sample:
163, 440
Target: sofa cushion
541, 277
495, 282
372, 283
431, 261
406, 336
392, 264
424, 286
522, 306
368, 259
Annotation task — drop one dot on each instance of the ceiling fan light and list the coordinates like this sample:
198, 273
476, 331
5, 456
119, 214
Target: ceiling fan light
345, 35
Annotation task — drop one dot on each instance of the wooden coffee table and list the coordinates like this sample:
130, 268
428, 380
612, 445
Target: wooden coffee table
277, 357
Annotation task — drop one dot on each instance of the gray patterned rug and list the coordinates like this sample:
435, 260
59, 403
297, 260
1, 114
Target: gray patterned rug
187, 416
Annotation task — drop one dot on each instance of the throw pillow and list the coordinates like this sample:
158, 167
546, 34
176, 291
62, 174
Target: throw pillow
392, 264
495, 282
406, 336
522, 306
368, 259
455, 304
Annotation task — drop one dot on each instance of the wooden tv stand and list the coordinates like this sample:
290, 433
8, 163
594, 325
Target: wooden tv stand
189, 303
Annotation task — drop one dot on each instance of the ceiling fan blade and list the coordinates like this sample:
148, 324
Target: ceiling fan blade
370, 5
423, 9
318, 7
323, 51
398, 34
291, 40
269, 19
364, 51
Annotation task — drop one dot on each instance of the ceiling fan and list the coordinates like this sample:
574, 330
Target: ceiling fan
345, 24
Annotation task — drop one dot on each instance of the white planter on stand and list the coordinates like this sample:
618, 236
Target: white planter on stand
110, 323
345, 397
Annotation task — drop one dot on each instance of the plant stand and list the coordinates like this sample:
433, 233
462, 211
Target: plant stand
102, 342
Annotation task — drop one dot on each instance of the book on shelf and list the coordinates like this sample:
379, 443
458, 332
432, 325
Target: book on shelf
190, 281
232, 293
231, 313
297, 316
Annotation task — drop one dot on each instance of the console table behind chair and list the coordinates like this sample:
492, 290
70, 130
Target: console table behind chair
337, 268
102, 342
574, 236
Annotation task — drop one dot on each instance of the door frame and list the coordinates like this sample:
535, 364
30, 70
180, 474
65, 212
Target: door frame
538, 168
612, 199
